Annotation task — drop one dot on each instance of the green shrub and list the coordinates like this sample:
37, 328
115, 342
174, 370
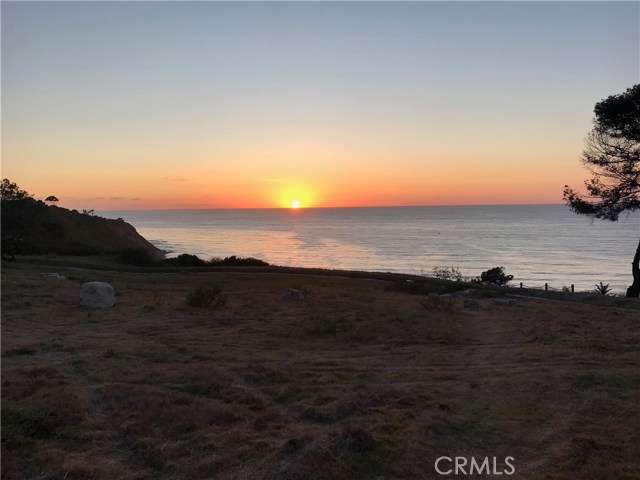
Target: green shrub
204, 296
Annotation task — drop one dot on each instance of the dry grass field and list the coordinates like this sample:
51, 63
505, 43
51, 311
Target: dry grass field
359, 380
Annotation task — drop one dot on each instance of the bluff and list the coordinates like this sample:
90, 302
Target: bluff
31, 227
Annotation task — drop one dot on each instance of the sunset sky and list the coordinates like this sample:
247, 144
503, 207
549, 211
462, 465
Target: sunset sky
138, 105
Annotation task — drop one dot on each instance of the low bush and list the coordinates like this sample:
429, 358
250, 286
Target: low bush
425, 288
204, 296
21, 427
234, 261
447, 273
602, 289
496, 276
433, 301
186, 260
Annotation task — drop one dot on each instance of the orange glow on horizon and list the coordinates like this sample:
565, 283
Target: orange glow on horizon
355, 184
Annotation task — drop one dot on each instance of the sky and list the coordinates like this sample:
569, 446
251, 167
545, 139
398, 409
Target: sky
157, 105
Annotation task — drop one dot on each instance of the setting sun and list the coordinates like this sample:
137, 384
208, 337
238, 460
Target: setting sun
294, 196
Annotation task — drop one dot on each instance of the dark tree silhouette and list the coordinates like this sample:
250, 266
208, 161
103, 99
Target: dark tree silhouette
11, 191
15, 224
612, 154
52, 199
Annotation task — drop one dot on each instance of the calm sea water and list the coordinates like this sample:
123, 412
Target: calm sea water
535, 243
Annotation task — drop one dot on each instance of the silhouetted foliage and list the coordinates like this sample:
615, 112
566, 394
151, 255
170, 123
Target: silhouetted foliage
496, 276
612, 154
188, 260
447, 273
11, 191
234, 261
30, 226
18, 212
137, 256
206, 295
425, 288
52, 199
602, 289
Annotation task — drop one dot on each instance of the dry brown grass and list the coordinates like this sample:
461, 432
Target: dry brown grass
358, 381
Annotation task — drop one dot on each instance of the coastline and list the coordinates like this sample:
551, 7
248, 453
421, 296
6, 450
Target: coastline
537, 244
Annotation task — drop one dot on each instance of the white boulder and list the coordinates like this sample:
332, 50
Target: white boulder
96, 295
292, 295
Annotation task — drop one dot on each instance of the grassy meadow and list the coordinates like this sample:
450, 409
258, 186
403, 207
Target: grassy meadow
360, 380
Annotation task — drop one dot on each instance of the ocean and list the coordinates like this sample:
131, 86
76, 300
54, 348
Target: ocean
537, 244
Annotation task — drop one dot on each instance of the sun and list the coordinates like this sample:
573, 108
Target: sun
295, 197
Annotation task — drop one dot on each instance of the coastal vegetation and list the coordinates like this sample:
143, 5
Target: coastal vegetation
612, 155
30, 226
143, 258
603, 288
496, 276
207, 295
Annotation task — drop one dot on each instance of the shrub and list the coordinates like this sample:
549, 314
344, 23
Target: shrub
234, 261
425, 288
204, 296
447, 273
140, 257
433, 301
186, 260
496, 276
323, 327
20, 427
602, 289
19, 351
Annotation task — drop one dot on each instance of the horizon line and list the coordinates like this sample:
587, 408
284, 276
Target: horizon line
334, 208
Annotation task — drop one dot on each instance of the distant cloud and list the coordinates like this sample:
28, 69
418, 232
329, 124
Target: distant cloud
271, 180
111, 199
176, 179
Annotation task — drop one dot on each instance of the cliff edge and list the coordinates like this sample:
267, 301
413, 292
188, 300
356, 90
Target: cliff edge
31, 227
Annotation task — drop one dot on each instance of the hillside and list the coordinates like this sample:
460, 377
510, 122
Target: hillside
31, 227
